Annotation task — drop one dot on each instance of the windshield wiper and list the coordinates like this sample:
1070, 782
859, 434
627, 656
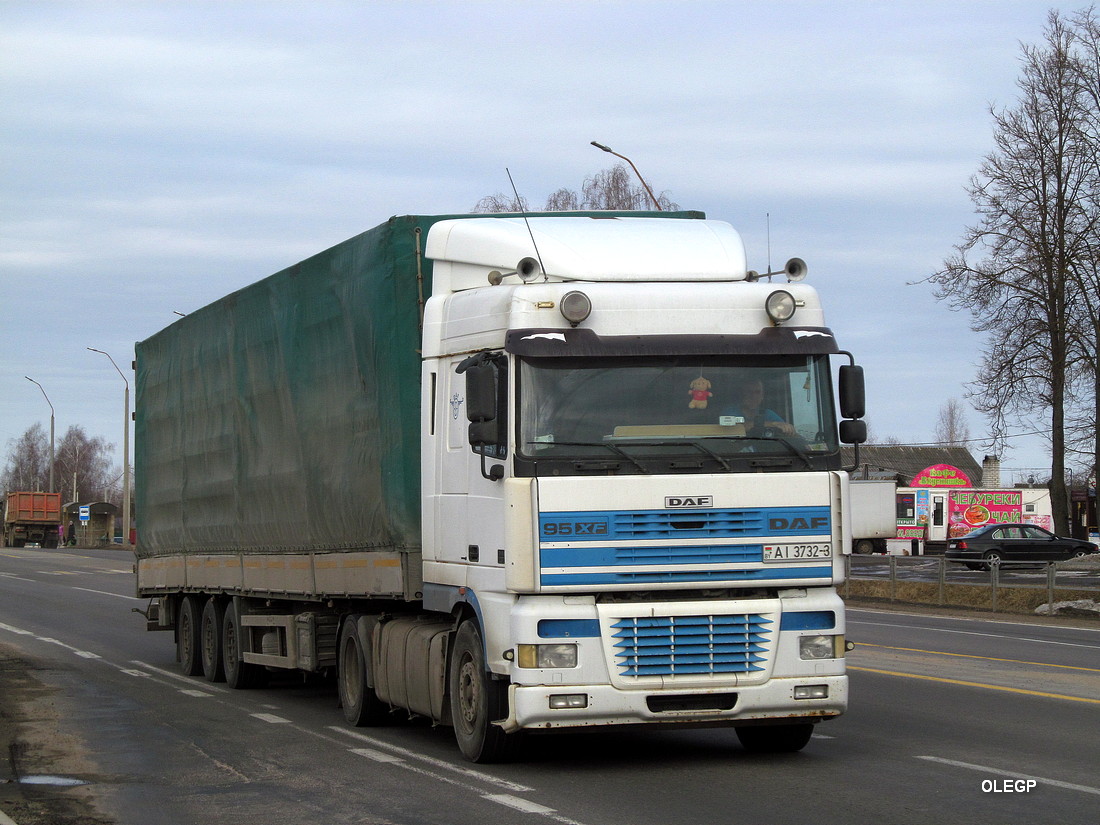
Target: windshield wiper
794, 448
694, 443
614, 448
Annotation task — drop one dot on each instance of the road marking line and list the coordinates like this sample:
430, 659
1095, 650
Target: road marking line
438, 763
972, 656
986, 635
976, 684
525, 805
16, 578
269, 717
961, 619
377, 756
985, 769
198, 694
179, 677
105, 593
18, 631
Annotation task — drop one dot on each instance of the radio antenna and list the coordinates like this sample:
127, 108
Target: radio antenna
768, 223
523, 212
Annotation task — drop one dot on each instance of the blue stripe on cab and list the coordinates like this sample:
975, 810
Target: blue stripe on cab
569, 629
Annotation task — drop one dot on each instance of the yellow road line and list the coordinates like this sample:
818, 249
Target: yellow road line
976, 684
984, 658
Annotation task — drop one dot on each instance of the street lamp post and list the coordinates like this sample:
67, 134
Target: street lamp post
51, 426
649, 191
125, 452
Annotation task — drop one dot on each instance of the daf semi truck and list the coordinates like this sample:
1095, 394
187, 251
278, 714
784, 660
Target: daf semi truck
512, 474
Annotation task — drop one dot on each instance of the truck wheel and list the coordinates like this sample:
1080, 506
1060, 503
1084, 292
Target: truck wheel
360, 703
864, 547
774, 738
239, 674
213, 614
477, 700
188, 640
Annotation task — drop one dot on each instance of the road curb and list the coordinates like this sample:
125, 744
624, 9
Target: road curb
6, 820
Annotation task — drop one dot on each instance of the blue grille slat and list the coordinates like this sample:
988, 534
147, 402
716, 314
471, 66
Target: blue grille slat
691, 645
589, 556
613, 525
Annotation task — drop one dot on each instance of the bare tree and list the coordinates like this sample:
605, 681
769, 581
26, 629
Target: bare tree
614, 188
85, 469
80, 462
28, 463
1085, 271
1031, 230
952, 429
502, 203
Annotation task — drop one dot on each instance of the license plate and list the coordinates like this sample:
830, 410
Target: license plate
797, 552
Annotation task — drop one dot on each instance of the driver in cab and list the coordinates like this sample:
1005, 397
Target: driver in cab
749, 407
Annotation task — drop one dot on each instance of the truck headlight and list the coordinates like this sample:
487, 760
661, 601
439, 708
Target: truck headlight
536, 656
817, 647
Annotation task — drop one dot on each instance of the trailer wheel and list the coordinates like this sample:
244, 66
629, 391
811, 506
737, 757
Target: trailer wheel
477, 700
213, 615
774, 738
188, 640
864, 547
360, 703
239, 674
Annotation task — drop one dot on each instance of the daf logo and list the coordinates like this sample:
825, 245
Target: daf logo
689, 501
816, 523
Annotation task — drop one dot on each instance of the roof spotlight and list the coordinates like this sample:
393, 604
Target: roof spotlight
575, 307
780, 306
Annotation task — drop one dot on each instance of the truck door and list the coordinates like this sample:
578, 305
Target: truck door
469, 528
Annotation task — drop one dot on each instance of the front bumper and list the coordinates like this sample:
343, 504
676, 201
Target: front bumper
529, 706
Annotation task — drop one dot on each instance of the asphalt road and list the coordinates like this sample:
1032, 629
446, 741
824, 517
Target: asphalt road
952, 720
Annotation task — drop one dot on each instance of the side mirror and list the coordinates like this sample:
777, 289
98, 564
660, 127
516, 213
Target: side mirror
483, 433
852, 396
481, 392
852, 431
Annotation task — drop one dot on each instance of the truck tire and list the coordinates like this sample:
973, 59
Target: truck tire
864, 547
188, 639
774, 738
213, 614
477, 700
360, 703
239, 674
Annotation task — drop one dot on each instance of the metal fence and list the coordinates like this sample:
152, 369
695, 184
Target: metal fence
996, 576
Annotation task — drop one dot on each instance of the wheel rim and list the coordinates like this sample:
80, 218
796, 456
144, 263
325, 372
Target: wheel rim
469, 692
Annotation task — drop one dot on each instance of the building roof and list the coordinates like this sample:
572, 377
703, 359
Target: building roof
902, 463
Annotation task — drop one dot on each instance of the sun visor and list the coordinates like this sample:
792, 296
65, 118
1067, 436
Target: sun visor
565, 343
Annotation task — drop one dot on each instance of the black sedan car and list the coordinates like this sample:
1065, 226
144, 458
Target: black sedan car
995, 543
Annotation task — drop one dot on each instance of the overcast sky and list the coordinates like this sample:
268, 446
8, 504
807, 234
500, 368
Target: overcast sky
158, 155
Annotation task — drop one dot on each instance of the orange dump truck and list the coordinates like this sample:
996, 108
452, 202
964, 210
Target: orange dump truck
32, 518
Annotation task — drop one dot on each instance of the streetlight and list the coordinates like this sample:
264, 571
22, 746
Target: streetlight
125, 452
649, 191
51, 426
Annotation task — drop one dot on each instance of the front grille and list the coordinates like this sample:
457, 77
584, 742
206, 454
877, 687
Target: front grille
690, 645
665, 524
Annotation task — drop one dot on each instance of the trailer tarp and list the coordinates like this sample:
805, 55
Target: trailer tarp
285, 417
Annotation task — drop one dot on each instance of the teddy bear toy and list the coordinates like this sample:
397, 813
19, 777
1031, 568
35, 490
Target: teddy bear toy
699, 392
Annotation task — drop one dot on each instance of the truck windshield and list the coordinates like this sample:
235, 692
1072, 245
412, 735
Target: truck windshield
717, 408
